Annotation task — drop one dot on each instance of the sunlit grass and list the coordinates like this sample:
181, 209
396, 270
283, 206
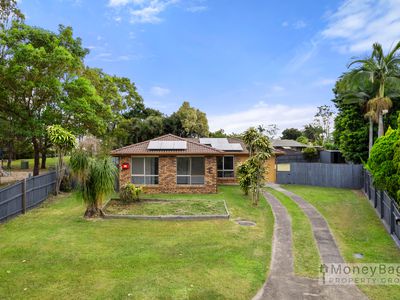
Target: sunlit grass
357, 229
54, 253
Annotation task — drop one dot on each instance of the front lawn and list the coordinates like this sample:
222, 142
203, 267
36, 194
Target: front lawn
53, 253
167, 207
356, 228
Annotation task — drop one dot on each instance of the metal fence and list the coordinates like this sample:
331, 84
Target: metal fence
319, 174
23, 195
385, 206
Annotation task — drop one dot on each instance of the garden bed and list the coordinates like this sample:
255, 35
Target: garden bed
162, 209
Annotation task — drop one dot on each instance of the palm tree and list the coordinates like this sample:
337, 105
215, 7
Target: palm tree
96, 178
380, 69
363, 98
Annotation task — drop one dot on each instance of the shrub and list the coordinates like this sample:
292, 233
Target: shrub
330, 146
129, 192
302, 139
310, 153
384, 163
66, 182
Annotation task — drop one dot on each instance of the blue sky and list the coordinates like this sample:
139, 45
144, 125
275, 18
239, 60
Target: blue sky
242, 62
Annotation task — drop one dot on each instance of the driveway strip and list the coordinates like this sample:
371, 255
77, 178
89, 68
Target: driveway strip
282, 283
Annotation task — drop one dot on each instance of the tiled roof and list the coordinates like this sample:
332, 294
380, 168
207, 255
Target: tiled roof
288, 143
193, 147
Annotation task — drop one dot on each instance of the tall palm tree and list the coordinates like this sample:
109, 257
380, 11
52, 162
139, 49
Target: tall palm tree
380, 69
355, 88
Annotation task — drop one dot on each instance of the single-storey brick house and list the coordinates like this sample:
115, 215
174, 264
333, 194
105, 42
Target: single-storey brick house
171, 164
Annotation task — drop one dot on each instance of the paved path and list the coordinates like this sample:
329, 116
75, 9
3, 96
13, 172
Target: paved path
282, 283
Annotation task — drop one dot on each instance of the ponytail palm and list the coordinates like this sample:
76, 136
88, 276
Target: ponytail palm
380, 69
96, 178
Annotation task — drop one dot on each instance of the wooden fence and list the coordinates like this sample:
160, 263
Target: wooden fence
386, 208
319, 174
25, 194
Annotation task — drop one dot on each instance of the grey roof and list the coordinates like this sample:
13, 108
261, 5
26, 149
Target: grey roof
221, 144
288, 143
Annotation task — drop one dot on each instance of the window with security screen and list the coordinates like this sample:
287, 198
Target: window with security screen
190, 170
144, 170
225, 167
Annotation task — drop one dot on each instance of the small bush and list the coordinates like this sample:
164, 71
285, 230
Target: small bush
129, 192
310, 153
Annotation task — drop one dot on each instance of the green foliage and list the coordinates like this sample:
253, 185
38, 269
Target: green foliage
330, 146
244, 174
291, 134
251, 172
96, 177
63, 141
193, 121
129, 192
61, 138
314, 133
310, 153
384, 163
302, 139
323, 119
9, 13
79, 163
218, 134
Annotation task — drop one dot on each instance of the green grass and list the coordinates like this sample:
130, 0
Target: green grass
54, 253
50, 162
356, 228
306, 256
167, 207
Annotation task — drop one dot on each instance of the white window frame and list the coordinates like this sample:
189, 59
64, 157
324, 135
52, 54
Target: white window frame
144, 170
190, 172
227, 170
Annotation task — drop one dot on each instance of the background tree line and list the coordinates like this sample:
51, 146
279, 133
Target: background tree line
44, 81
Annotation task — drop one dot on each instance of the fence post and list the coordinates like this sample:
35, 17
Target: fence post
392, 217
24, 196
382, 205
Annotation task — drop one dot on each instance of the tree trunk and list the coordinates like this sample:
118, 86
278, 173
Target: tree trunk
93, 212
9, 161
60, 172
380, 124
10, 154
36, 156
44, 156
371, 136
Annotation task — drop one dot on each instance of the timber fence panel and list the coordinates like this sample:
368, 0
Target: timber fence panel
25, 194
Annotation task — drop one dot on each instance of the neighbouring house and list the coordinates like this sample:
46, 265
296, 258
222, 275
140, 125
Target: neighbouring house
288, 146
291, 149
171, 164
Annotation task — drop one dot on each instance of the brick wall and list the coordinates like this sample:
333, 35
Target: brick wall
238, 160
167, 177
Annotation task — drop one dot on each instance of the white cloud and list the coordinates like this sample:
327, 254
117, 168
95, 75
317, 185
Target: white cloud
300, 24
357, 24
198, 8
307, 51
283, 115
159, 91
144, 11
